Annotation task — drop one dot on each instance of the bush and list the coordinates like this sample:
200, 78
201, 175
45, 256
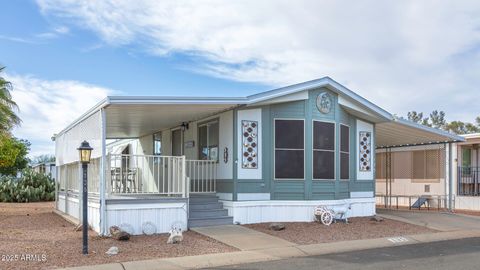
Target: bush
31, 187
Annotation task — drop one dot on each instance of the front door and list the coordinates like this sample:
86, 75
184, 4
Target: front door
177, 142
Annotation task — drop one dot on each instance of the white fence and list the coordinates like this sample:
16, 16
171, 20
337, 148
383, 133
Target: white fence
202, 175
146, 174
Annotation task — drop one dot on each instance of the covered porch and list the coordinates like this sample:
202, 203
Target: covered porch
146, 167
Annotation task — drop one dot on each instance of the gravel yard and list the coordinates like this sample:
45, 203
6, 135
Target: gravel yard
32, 229
305, 233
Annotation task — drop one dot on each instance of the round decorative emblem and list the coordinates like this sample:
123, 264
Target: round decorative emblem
324, 102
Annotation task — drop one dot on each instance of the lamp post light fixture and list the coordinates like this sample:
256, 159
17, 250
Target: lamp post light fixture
85, 151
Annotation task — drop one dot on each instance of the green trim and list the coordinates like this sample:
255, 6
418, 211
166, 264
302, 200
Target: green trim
308, 145
235, 154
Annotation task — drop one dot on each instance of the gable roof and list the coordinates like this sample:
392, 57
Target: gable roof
322, 82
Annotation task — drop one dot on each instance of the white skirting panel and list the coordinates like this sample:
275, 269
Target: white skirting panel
293, 211
135, 215
467, 203
225, 196
70, 206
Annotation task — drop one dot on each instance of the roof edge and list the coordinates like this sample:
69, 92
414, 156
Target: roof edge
322, 82
100, 105
175, 100
454, 137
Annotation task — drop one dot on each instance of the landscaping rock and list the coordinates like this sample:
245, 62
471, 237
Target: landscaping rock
175, 237
112, 251
277, 226
377, 219
79, 227
119, 234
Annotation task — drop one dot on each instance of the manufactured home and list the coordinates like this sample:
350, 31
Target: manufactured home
47, 168
421, 171
160, 162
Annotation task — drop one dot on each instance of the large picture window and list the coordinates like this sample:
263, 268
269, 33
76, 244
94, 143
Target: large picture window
208, 141
344, 152
289, 149
323, 150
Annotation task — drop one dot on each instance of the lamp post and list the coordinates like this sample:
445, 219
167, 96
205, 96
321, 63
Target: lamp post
85, 152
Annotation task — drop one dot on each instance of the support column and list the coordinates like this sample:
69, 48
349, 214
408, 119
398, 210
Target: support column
103, 171
450, 182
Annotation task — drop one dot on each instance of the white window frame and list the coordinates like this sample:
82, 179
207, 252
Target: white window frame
334, 149
161, 143
207, 123
274, 149
343, 152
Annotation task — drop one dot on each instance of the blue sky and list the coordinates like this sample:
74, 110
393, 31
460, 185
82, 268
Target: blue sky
63, 56
80, 55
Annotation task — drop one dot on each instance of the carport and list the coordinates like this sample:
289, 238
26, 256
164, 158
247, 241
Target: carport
403, 134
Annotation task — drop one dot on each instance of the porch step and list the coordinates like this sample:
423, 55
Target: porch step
206, 210
203, 199
208, 213
205, 206
204, 222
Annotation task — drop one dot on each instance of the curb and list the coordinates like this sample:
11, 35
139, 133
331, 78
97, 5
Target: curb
242, 257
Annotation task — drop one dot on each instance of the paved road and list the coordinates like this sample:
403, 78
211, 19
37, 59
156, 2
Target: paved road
454, 254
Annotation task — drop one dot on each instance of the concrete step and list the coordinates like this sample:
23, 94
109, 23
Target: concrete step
203, 199
208, 213
206, 206
204, 222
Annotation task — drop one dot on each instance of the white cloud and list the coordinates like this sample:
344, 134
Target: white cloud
46, 107
54, 33
404, 55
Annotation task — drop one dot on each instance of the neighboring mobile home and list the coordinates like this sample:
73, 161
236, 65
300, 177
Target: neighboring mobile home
160, 162
47, 168
421, 171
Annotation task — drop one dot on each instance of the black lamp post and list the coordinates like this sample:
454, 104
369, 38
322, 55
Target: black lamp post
85, 152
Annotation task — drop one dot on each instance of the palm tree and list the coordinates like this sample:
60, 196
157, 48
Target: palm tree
8, 116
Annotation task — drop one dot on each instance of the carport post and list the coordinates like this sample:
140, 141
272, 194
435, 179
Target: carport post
450, 182
103, 176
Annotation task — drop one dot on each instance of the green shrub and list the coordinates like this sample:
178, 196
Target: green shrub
31, 187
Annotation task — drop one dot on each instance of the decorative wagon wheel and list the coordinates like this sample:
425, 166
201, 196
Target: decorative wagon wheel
326, 218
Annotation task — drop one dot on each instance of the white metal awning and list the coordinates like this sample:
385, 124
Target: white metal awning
136, 120
400, 132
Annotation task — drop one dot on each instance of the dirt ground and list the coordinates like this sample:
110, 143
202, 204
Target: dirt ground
358, 228
32, 237
468, 212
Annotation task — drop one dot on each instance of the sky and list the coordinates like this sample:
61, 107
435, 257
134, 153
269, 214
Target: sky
65, 56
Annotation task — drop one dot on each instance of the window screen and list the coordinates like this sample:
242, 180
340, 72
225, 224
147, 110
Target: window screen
427, 164
289, 149
323, 150
344, 152
380, 166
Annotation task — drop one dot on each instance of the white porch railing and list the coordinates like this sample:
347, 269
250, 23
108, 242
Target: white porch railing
147, 174
164, 175
202, 175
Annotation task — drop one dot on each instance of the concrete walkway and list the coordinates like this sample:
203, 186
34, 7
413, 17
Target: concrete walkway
243, 238
440, 221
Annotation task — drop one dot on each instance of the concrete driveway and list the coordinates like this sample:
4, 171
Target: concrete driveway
435, 220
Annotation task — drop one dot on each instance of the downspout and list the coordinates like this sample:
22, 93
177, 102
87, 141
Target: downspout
103, 210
